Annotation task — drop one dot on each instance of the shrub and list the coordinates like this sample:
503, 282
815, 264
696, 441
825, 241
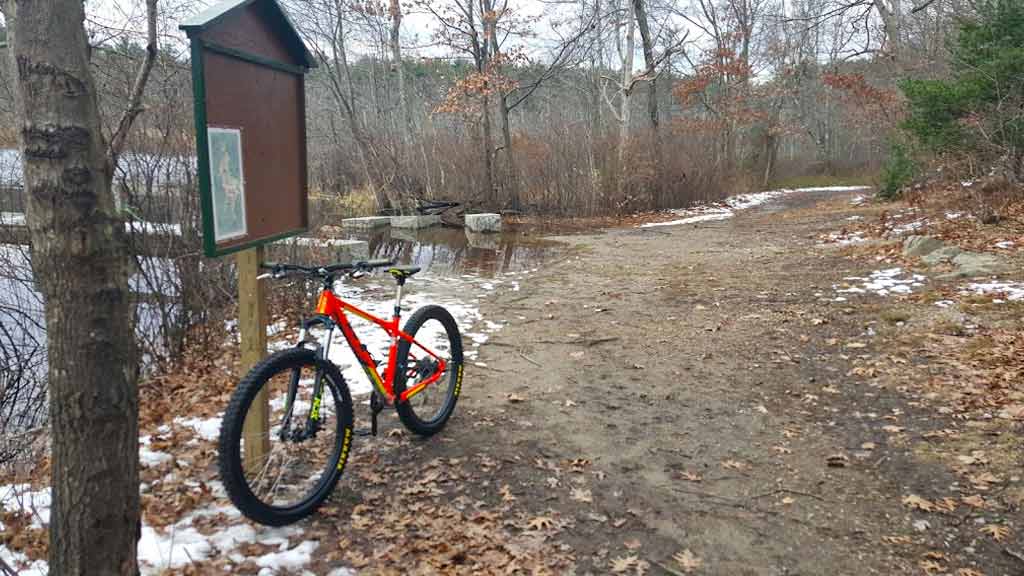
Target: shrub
899, 170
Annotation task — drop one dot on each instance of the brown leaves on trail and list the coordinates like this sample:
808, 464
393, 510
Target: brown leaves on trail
916, 502
687, 561
540, 523
735, 465
581, 495
998, 532
968, 572
625, 564
984, 481
974, 501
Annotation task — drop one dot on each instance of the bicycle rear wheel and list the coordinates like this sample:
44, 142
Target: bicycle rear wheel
426, 412
292, 467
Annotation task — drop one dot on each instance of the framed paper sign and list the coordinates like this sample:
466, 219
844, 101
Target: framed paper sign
227, 183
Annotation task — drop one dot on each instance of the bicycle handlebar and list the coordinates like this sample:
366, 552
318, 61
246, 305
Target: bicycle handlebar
282, 270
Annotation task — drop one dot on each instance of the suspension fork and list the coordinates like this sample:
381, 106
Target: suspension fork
323, 347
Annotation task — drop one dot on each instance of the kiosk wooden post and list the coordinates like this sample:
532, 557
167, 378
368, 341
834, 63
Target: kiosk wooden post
252, 326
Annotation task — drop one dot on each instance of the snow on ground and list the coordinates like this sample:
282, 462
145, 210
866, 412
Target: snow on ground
1011, 291
844, 238
728, 207
881, 282
179, 544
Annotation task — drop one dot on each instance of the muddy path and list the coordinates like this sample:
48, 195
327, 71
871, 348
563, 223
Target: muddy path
696, 388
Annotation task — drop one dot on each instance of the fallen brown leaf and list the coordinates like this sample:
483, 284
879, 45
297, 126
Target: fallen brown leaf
915, 501
998, 532
687, 560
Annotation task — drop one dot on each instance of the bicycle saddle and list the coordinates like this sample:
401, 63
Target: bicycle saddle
403, 272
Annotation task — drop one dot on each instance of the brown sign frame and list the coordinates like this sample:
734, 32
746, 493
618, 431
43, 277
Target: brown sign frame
248, 75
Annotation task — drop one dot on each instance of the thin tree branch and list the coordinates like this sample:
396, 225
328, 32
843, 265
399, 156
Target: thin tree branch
134, 108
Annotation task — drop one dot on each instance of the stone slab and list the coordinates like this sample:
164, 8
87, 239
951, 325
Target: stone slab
486, 222
366, 222
415, 222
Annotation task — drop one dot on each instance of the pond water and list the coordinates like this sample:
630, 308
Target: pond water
443, 251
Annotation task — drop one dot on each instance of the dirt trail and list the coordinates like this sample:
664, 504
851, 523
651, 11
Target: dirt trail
690, 378
695, 388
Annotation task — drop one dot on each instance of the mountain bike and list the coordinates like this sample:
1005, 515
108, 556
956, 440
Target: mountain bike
299, 400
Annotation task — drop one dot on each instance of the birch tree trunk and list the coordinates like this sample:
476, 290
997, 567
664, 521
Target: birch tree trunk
81, 265
626, 56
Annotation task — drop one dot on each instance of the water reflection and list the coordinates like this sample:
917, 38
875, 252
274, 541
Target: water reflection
453, 251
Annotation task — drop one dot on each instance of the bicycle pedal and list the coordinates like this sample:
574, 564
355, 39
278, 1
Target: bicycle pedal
363, 432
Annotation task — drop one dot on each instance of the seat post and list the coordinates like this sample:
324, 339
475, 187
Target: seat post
398, 295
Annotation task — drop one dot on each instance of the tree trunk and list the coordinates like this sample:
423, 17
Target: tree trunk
647, 44
488, 150
626, 56
511, 174
80, 261
396, 61
892, 25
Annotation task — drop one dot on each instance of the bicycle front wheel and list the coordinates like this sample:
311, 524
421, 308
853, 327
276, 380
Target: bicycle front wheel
437, 338
285, 437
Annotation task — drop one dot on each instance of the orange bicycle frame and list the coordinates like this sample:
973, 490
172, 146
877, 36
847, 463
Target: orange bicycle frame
333, 307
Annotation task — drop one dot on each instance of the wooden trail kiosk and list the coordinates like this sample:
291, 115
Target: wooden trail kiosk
248, 81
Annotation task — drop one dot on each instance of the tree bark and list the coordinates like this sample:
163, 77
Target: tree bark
81, 264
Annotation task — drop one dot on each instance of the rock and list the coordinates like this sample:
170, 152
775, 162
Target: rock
920, 245
483, 222
942, 255
415, 222
972, 264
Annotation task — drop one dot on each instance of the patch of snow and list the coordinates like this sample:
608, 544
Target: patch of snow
16, 497
206, 428
954, 215
844, 238
1004, 244
721, 215
945, 303
287, 559
1013, 291
726, 209
913, 226
883, 283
